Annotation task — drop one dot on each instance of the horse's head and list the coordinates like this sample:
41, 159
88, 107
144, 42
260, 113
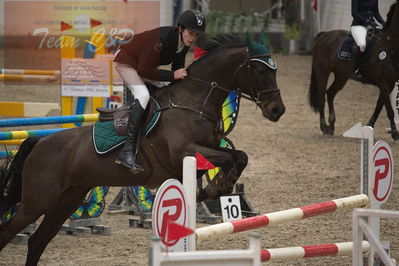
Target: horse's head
257, 78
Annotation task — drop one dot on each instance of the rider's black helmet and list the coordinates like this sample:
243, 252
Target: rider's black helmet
193, 20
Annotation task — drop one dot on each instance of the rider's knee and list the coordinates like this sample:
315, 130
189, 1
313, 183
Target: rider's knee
362, 47
141, 93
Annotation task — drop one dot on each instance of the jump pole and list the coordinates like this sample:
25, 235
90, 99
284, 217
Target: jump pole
48, 120
29, 78
289, 253
11, 142
281, 217
30, 72
23, 134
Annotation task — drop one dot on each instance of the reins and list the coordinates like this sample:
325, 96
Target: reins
253, 97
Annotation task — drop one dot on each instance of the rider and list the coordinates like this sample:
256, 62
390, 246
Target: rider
364, 13
139, 60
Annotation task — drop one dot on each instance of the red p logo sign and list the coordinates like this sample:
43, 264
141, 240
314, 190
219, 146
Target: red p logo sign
383, 172
171, 215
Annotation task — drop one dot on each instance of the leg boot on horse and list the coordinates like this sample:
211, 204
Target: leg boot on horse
127, 156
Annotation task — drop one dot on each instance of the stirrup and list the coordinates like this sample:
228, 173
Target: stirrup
121, 162
136, 168
356, 74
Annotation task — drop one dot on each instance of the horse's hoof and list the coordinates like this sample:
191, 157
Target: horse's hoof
328, 132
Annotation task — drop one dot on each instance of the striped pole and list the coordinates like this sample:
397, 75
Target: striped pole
7, 154
337, 249
28, 78
23, 134
30, 72
48, 120
11, 142
281, 217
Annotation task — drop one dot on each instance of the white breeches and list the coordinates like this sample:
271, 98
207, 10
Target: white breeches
359, 34
134, 82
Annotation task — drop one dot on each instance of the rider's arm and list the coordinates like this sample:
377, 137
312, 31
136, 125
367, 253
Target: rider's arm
377, 15
148, 65
180, 59
355, 12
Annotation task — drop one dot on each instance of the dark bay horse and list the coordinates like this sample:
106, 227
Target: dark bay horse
51, 176
381, 69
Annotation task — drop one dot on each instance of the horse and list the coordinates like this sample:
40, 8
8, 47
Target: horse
380, 68
50, 176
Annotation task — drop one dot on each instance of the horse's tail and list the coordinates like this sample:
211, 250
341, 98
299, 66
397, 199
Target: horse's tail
314, 94
11, 176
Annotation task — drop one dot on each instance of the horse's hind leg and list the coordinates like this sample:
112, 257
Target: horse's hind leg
68, 202
22, 219
321, 81
336, 86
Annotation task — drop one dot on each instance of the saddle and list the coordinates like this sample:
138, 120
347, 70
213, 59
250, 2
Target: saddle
120, 116
348, 46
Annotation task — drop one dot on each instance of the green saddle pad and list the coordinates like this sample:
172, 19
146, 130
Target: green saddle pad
106, 139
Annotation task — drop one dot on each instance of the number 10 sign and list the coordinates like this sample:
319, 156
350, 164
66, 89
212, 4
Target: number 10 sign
231, 208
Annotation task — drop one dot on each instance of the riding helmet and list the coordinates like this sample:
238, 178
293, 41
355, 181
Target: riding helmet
193, 20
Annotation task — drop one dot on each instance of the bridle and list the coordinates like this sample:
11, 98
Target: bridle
254, 96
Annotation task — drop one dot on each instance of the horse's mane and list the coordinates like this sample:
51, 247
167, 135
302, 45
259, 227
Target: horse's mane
390, 15
218, 43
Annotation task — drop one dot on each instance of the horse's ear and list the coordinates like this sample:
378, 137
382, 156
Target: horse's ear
263, 39
249, 43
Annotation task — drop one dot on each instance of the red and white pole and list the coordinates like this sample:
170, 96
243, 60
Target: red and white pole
337, 249
280, 217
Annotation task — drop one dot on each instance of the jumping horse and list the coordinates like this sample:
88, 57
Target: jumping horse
380, 68
50, 176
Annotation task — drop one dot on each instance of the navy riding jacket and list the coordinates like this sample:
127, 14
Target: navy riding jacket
151, 49
364, 12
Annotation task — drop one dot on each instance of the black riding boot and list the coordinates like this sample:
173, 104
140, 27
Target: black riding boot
127, 156
357, 55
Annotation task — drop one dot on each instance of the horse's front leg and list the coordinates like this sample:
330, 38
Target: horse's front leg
240, 159
232, 164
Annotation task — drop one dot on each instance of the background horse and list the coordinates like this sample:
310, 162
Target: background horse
382, 71
51, 176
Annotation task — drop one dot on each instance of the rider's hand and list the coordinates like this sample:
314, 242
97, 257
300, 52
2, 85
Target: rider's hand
180, 73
